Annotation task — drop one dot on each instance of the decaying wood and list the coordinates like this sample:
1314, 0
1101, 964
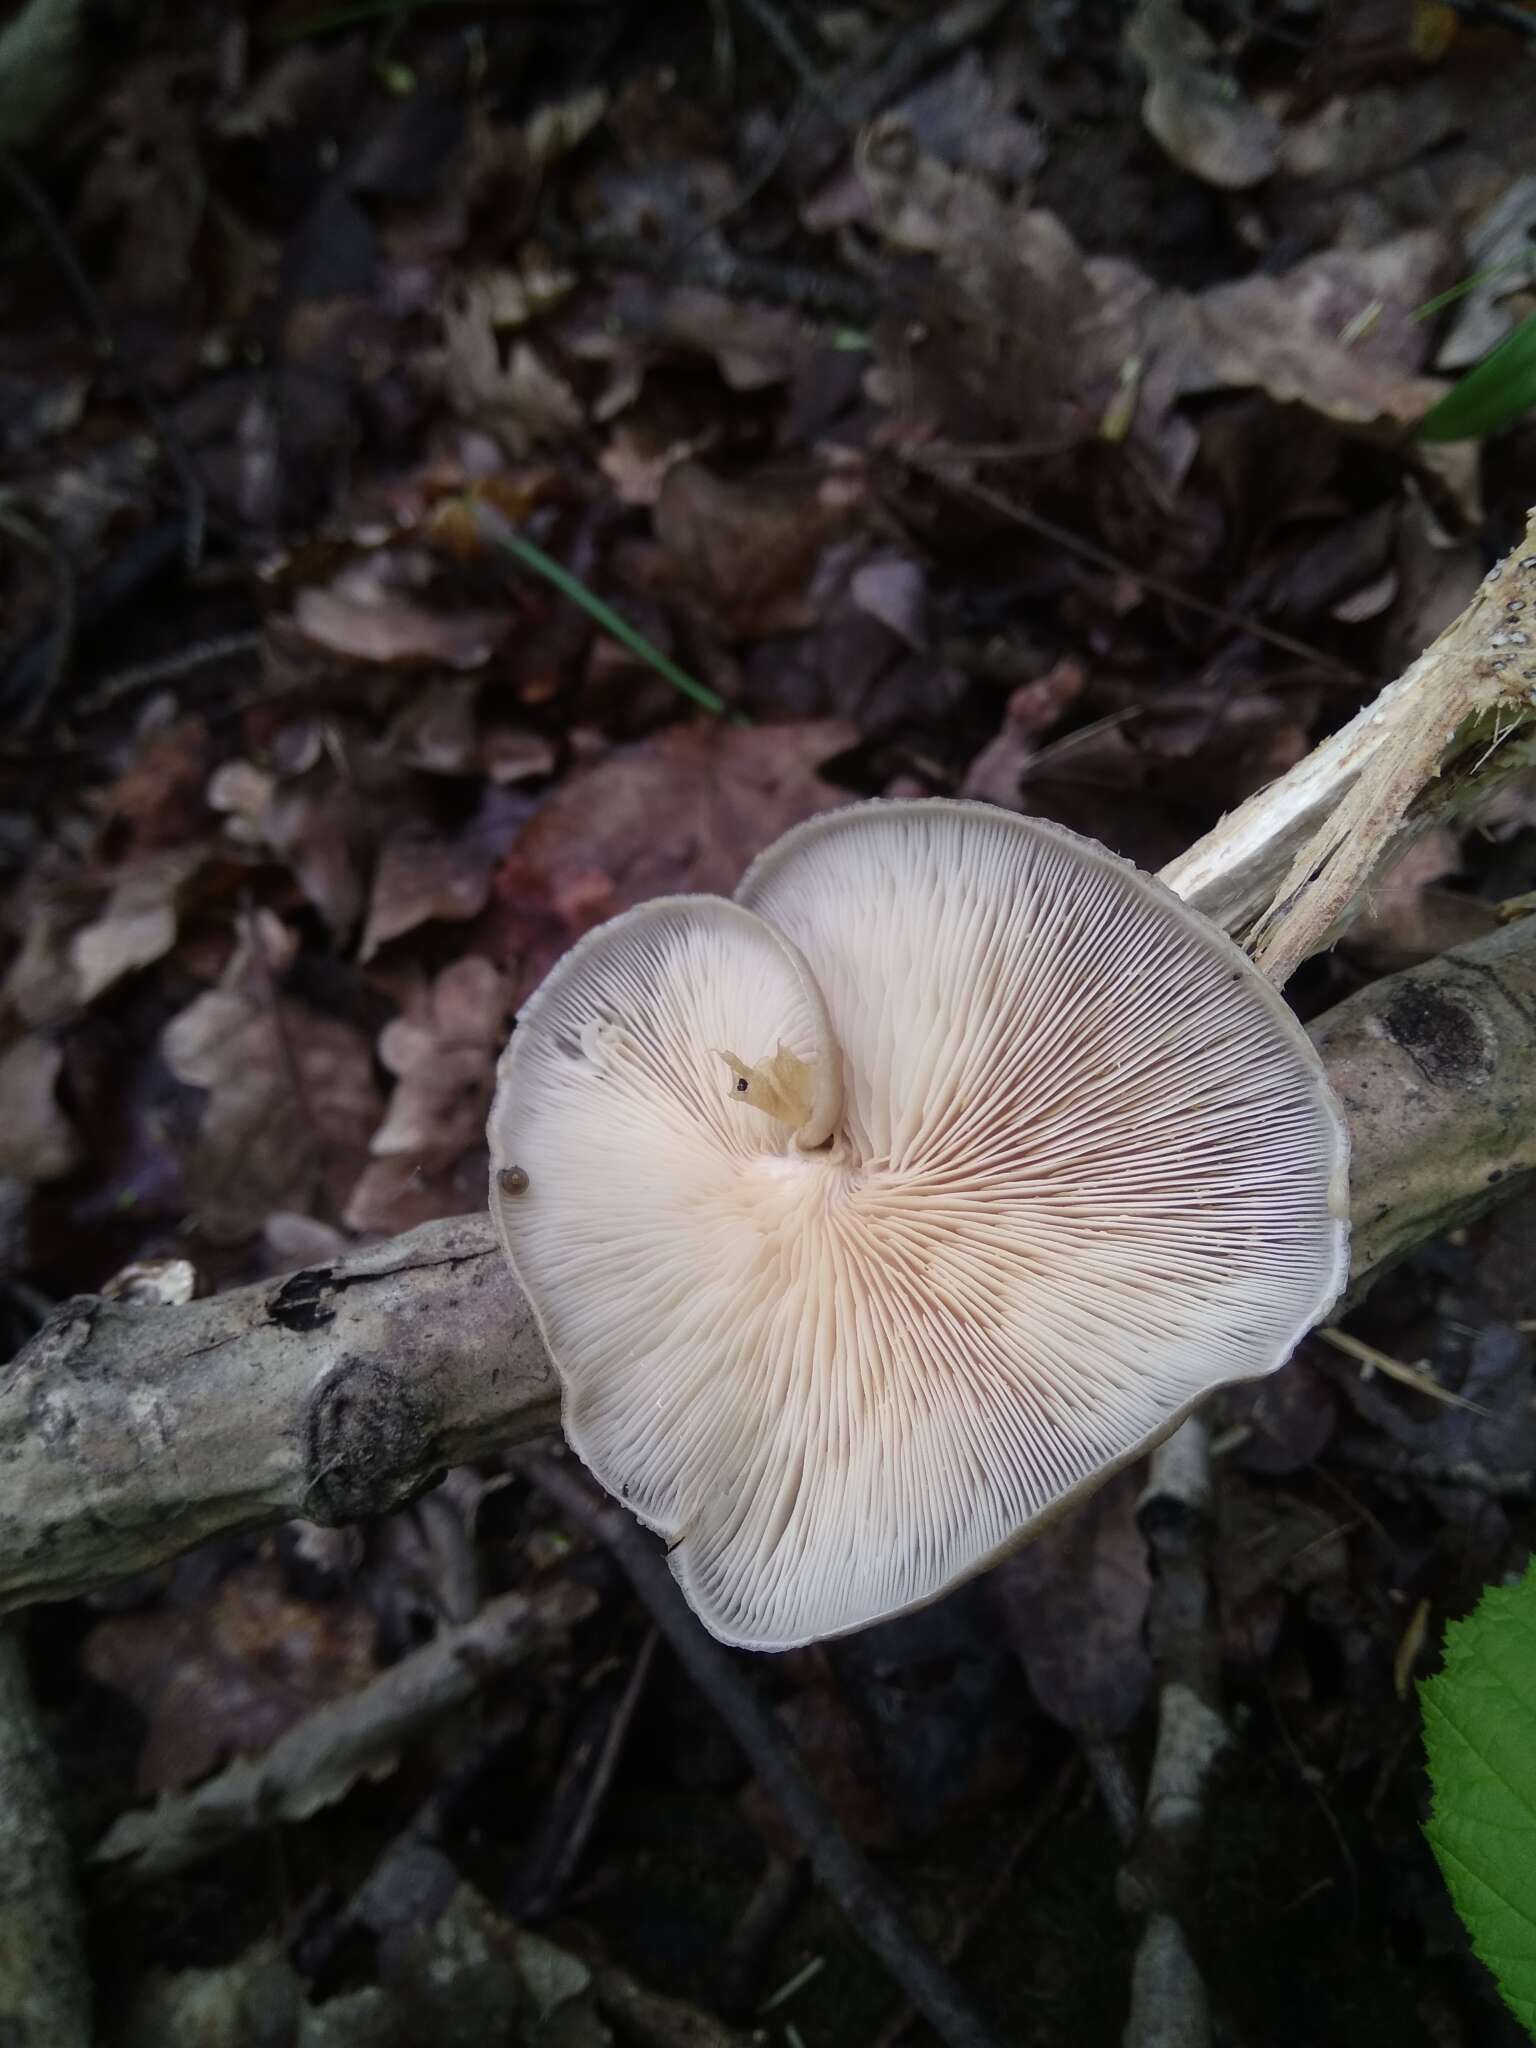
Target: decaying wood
127, 1434
1436, 1069
1287, 870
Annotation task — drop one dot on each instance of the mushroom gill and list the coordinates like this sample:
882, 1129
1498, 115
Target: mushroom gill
1029, 1159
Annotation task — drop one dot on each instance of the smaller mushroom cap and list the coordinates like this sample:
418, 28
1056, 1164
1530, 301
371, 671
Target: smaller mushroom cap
874, 1217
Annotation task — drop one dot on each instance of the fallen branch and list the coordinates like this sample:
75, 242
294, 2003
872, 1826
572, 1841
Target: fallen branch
1289, 868
321, 1759
128, 1434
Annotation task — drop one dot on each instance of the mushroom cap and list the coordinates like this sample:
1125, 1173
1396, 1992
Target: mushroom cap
1060, 1162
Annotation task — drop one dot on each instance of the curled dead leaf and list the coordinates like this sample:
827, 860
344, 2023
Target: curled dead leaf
37, 1140
227, 1677
292, 1100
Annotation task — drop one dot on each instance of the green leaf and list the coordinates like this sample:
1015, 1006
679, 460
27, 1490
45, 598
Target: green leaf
1496, 393
1480, 1732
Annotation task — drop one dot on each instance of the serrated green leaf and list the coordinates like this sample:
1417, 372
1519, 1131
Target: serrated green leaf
1480, 1733
1492, 395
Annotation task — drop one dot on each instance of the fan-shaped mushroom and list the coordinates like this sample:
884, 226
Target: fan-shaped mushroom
877, 1215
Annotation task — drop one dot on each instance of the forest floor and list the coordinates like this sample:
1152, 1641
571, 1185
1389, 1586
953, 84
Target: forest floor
1014, 401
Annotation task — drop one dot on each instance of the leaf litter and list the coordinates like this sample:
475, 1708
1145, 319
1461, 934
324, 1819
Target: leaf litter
1014, 403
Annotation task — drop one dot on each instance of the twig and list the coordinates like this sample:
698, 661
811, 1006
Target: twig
709, 261
321, 1759
1290, 867
167, 668
1406, 1375
858, 1889
770, 1905
1064, 537
578, 1796
194, 496
45, 1995
1159, 1881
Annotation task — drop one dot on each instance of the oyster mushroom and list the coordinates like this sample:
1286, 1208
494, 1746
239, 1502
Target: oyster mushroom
876, 1216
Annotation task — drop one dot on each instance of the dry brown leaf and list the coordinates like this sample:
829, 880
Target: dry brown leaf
1409, 918
965, 115
146, 179
494, 377
319, 824
1024, 329
919, 204
444, 1051
1464, 703
439, 731
1193, 108
996, 775
292, 1100
158, 796
744, 553
229, 1676
421, 875
685, 810
137, 925
370, 623
1074, 1603
754, 345
431, 1145
1337, 333
40, 983
37, 1140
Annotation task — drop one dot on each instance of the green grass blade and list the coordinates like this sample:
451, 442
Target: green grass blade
1493, 395
496, 530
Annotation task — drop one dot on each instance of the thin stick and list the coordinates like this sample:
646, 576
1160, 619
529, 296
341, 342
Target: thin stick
1495, 14
787, 43
582, 1785
1064, 537
858, 1889
168, 668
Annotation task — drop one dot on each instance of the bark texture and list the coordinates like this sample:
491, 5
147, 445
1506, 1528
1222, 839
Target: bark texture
128, 1434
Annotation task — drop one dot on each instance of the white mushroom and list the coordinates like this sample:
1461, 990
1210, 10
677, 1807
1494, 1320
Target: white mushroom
876, 1216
